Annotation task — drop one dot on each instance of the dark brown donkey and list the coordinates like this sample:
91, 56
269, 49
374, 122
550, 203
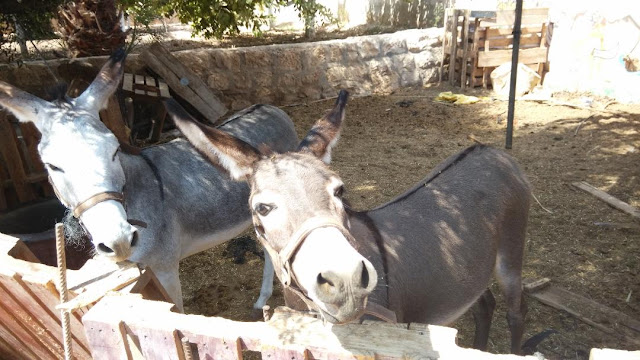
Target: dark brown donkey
427, 255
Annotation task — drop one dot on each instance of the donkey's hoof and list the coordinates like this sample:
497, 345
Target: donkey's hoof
256, 315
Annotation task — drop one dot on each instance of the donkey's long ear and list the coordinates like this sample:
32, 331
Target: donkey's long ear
21, 104
231, 154
324, 135
105, 83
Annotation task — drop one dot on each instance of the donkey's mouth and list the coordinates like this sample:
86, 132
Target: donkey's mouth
344, 315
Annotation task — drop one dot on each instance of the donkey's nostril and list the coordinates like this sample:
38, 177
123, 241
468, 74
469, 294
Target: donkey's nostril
322, 280
134, 238
364, 278
104, 248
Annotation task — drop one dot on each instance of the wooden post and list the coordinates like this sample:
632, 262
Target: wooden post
465, 48
444, 43
454, 48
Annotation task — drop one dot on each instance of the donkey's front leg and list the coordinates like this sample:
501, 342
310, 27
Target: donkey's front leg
169, 278
267, 285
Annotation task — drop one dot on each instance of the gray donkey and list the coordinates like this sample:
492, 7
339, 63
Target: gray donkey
426, 256
181, 203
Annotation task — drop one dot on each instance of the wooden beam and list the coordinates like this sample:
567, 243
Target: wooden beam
593, 313
499, 57
454, 47
11, 154
112, 118
184, 82
287, 332
465, 48
612, 201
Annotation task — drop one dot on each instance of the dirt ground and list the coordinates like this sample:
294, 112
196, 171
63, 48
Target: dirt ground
391, 142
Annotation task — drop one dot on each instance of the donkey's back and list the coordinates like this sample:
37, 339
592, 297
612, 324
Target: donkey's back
444, 238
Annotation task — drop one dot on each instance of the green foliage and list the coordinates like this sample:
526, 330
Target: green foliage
217, 18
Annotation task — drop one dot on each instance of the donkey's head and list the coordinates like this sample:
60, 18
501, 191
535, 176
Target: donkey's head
298, 213
81, 156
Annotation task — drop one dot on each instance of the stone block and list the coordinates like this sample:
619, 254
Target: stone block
369, 48
218, 80
228, 59
394, 45
262, 78
288, 59
384, 77
258, 58
288, 82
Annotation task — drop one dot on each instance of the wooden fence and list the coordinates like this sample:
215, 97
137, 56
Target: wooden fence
30, 326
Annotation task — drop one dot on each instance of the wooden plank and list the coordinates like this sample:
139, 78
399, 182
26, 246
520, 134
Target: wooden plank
290, 332
112, 118
107, 339
499, 57
444, 42
502, 43
529, 16
161, 344
610, 200
465, 48
96, 289
6, 350
454, 47
164, 89
127, 82
19, 329
608, 354
11, 154
48, 320
15, 248
149, 287
508, 31
184, 82
28, 316
139, 82
150, 83
31, 137
11, 339
595, 314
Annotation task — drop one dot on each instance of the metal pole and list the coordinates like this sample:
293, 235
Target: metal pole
514, 72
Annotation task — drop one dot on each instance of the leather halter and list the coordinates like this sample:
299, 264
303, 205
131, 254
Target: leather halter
282, 262
94, 200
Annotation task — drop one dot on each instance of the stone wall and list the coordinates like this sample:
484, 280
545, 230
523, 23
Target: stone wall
280, 74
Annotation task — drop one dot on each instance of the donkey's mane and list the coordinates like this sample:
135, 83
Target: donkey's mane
435, 173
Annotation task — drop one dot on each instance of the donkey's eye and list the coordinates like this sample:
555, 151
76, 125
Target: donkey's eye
53, 167
339, 191
113, 158
264, 209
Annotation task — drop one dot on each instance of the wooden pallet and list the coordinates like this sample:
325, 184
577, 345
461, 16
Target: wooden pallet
484, 40
30, 325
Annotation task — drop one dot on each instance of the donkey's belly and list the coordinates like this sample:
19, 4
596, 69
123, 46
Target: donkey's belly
196, 244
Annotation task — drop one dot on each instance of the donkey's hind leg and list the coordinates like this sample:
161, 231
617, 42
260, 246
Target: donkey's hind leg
482, 312
509, 275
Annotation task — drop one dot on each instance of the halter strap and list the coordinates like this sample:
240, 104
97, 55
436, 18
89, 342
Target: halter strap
96, 199
282, 263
